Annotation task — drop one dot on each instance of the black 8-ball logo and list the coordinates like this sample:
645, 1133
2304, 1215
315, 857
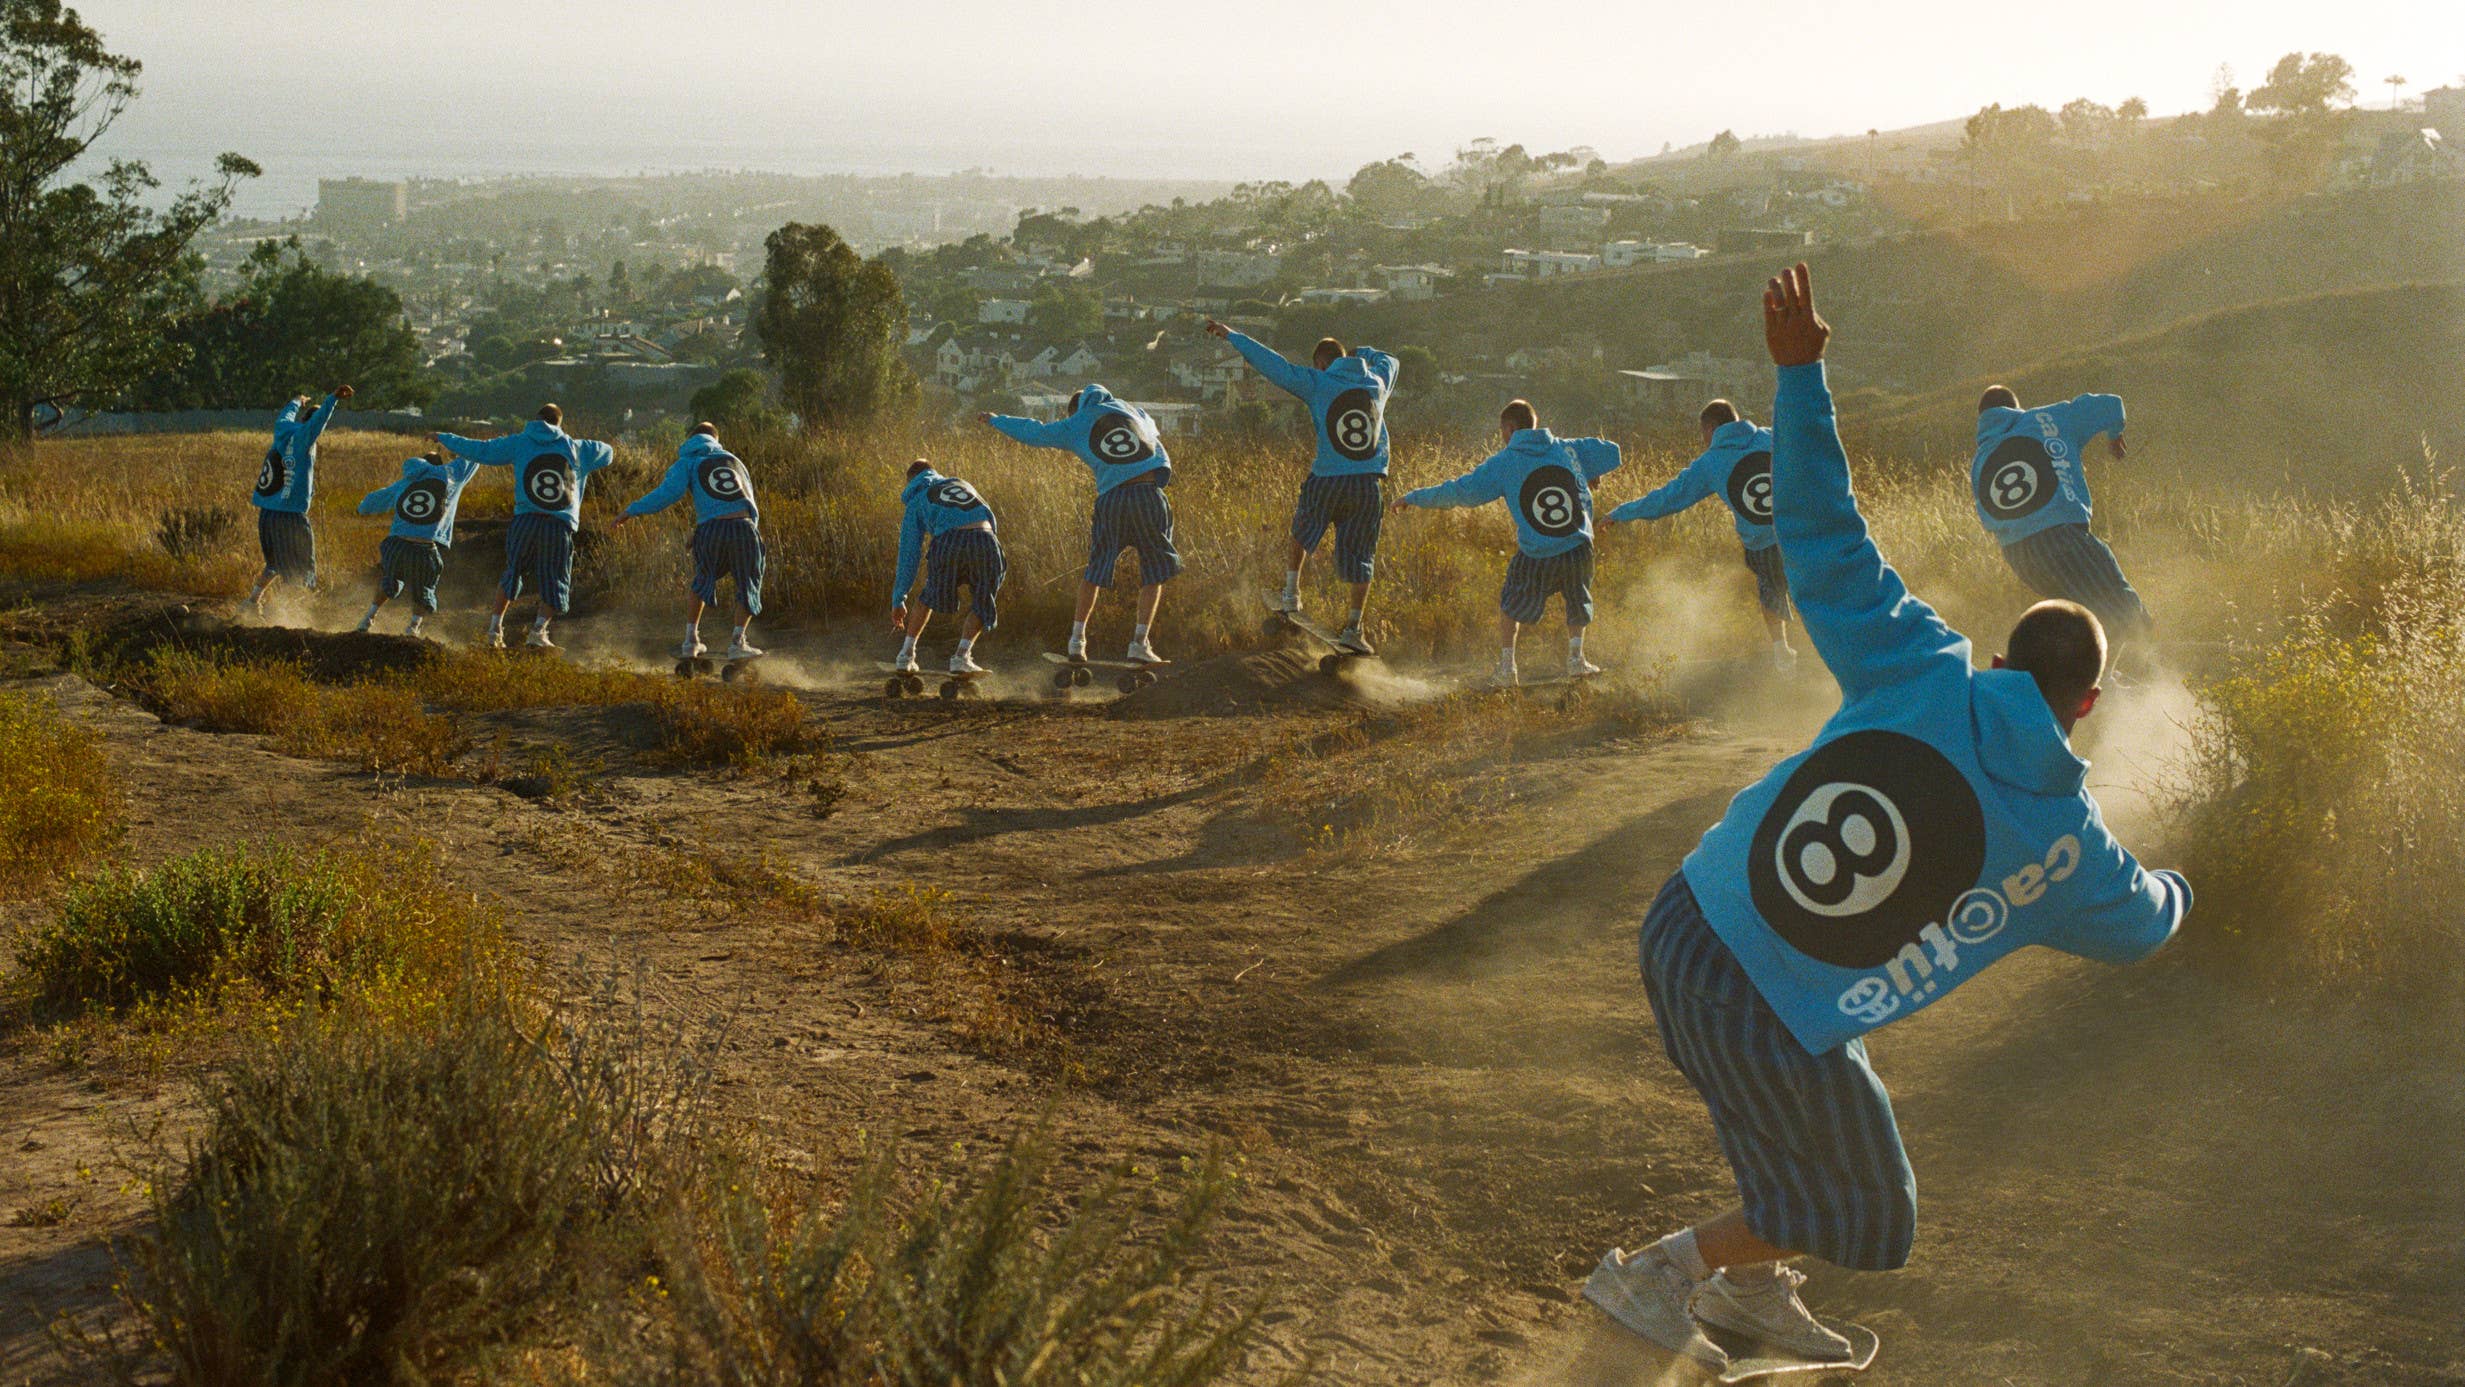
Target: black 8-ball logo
1551, 501
1116, 439
956, 495
270, 477
1750, 487
1873, 837
2017, 480
722, 478
421, 502
1356, 424
548, 482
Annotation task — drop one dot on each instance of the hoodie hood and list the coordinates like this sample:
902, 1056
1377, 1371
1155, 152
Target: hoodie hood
1090, 396
1737, 433
1998, 420
541, 431
1349, 370
1533, 441
917, 484
698, 444
2018, 741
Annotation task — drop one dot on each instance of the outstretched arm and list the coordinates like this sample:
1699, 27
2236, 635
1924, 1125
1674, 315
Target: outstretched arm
1028, 431
1282, 374
2092, 415
313, 427
381, 500
1381, 365
2114, 910
671, 489
1871, 632
501, 451
1598, 457
1476, 487
1683, 490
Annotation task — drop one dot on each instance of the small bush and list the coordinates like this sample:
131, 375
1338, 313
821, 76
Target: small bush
470, 681
717, 725
191, 533
380, 927
961, 1286
378, 725
58, 799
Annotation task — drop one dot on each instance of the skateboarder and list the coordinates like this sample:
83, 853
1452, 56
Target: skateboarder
2032, 496
950, 529
1546, 482
1938, 823
1347, 393
547, 512
286, 483
1736, 466
411, 557
1119, 444
727, 534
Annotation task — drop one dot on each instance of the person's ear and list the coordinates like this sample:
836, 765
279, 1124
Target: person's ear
1998, 663
2088, 703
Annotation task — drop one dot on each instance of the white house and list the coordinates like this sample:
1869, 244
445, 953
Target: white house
1618, 255
1413, 283
1542, 264
1340, 296
1002, 311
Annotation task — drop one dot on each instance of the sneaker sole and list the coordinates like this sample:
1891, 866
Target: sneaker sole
1609, 1295
1843, 1352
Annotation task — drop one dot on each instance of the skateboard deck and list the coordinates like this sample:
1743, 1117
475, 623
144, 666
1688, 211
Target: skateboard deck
1338, 653
1750, 1362
1079, 673
909, 683
1534, 681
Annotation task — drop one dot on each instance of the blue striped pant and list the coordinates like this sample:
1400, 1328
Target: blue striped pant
1355, 505
539, 551
2067, 561
969, 559
412, 566
1134, 515
289, 546
729, 547
1771, 580
1531, 582
1810, 1138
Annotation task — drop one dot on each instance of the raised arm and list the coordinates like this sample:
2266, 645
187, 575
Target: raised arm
1381, 365
2091, 415
1679, 492
1871, 632
671, 489
1282, 374
1598, 457
312, 428
589, 455
501, 451
381, 500
1031, 433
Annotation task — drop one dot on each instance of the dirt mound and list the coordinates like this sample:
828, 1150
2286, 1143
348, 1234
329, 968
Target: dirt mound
326, 656
1235, 684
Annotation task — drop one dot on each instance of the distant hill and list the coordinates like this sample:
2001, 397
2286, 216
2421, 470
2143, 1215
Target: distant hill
2332, 393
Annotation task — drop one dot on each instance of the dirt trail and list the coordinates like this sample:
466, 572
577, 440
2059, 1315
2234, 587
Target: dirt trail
1438, 1067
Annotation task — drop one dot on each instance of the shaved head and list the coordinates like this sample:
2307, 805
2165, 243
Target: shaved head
1997, 397
2062, 646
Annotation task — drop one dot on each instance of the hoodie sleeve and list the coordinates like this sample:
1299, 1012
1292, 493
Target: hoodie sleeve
1381, 365
1282, 374
1476, 487
589, 455
911, 551
2117, 911
313, 427
501, 451
1871, 632
2091, 415
1033, 434
1598, 457
288, 414
671, 489
1679, 492
381, 500
462, 470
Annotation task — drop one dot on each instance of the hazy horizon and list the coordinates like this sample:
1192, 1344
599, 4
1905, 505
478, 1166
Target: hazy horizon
1273, 90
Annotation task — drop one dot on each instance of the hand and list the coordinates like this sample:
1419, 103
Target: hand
621, 520
898, 619
985, 418
1400, 506
342, 392
1792, 330
1217, 330
2114, 445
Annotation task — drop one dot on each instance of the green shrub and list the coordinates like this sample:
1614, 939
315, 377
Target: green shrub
58, 798
718, 725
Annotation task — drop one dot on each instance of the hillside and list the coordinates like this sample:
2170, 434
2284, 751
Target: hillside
2331, 393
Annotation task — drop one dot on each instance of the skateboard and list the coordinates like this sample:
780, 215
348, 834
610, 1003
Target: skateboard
1536, 681
910, 683
741, 670
1079, 673
1338, 654
1750, 1362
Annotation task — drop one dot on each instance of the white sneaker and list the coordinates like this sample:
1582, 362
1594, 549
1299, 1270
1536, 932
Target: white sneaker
1784, 658
1141, 653
906, 662
691, 649
496, 638
1076, 650
1286, 602
742, 649
366, 624
965, 663
1647, 1293
1770, 1314
1504, 677
1578, 667
1351, 638
413, 628
538, 639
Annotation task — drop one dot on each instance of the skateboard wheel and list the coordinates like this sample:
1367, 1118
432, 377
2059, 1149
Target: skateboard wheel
1330, 664
951, 689
1064, 678
895, 688
734, 673
1127, 683
1082, 676
915, 683
684, 669
1146, 677
1273, 626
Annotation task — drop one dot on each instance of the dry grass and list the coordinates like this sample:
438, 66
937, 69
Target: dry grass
59, 801
375, 724
703, 724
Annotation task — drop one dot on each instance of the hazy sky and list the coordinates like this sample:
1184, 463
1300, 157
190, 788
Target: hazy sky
1230, 88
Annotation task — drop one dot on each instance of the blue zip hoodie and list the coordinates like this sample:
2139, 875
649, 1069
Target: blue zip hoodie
555, 466
287, 480
2027, 475
1939, 821
718, 480
1115, 439
1347, 403
1737, 468
1546, 483
423, 499
936, 505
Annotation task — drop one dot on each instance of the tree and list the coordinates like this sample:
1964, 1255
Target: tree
2301, 85
291, 323
831, 323
738, 402
89, 274
2086, 122
1723, 145
1388, 187
2131, 113
1066, 311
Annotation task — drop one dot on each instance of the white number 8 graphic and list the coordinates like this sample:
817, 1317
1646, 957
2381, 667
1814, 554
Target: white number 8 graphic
1552, 507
